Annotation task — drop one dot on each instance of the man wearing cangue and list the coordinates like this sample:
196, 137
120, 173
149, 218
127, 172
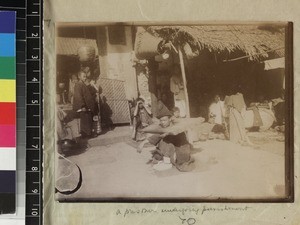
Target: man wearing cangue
172, 146
142, 117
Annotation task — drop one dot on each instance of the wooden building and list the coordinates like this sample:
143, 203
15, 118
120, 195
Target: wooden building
218, 58
112, 65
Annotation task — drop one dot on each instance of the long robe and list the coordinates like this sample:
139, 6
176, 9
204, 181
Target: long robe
83, 99
236, 105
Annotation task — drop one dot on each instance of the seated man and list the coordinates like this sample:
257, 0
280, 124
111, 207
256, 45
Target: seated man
142, 117
279, 109
210, 130
170, 143
176, 112
255, 106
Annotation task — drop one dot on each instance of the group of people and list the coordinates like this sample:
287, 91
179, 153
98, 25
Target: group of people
172, 147
79, 121
233, 117
226, 121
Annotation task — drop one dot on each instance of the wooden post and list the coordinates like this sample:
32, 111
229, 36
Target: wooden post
153, 66
187, 104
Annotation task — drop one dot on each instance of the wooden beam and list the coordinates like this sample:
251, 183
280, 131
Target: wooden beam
153, 67
187, 104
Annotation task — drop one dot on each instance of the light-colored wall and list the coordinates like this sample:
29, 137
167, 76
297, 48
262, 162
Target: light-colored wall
119, 63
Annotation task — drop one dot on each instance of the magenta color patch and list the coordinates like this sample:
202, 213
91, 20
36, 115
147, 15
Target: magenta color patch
7, 136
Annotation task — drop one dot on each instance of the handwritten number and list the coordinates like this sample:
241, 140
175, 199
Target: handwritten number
189, 221
182, 220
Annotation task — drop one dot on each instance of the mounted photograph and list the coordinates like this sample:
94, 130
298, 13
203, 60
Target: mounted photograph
174, 112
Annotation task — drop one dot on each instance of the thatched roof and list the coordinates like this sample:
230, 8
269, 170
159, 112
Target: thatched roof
257, 42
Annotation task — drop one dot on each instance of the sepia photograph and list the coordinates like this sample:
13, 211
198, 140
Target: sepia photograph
188, 112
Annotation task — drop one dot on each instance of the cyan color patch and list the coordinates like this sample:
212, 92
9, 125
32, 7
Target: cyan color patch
8, 45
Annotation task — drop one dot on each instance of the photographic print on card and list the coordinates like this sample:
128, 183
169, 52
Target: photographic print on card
174, 112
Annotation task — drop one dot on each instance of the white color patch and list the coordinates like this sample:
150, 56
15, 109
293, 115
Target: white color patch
8, 159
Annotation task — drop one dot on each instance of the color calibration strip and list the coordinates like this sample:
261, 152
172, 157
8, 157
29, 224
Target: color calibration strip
7, 111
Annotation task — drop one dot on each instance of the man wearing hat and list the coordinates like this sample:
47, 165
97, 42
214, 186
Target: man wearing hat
171, 143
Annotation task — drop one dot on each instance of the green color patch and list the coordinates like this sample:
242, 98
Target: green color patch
7, 67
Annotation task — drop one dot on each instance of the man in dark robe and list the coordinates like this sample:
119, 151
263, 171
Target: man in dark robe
84, 104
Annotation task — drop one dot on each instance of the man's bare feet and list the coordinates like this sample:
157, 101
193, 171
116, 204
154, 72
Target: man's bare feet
141, 146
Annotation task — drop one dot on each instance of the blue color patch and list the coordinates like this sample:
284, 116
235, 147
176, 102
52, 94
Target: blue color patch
7, 22
7, 45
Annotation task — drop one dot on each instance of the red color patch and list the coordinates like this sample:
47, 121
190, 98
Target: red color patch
7, 113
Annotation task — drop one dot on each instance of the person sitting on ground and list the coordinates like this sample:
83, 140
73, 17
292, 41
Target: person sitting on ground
171, 143
142, 117
210, 130
176, 112
262, 102
279, 109
255, 107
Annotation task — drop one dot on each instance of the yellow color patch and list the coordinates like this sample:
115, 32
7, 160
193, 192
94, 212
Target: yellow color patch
7, 90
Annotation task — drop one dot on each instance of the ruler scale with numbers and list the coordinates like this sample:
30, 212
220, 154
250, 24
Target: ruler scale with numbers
34, 122
29, 104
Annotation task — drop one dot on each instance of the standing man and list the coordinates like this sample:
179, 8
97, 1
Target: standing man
84, 104
216, 110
